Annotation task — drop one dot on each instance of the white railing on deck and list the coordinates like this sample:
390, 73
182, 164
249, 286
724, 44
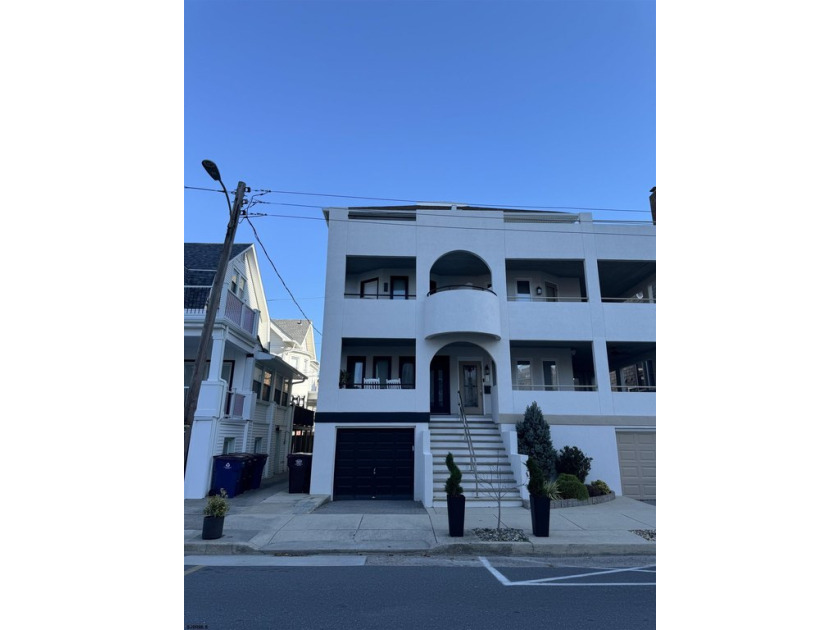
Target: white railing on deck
239, 313
235, 405
555, 388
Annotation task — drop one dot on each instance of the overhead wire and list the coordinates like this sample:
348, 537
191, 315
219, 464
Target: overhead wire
251, 202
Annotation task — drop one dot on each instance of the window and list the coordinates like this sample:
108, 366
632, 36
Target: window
355, 372
399, 287
523, 290
549, 375
370, 289
229, 445
279, 385
261, 384
523, 374
237, 285
407, 372
258, 444
382, 369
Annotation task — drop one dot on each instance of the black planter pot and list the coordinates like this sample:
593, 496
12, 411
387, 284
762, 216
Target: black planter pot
212, 528
540, 515
455, 509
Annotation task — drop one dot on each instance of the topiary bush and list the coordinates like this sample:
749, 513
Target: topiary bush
534, 440
536, 480
453, 482
572, 461
594, 491
570, 487
602, 486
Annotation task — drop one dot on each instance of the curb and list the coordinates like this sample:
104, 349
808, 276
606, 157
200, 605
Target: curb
466, 548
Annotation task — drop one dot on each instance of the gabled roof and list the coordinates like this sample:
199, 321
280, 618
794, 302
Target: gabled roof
201, 260
295, 329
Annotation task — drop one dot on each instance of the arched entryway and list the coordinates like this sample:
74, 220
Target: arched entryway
461, 375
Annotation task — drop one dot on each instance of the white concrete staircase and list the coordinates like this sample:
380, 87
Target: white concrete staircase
494, 473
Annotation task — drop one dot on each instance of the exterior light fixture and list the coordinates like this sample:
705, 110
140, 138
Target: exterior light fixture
539, 290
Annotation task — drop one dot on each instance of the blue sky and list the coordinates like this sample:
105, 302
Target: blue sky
546, 104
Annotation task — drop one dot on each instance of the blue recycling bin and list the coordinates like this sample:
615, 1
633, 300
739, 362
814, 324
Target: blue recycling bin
228, 473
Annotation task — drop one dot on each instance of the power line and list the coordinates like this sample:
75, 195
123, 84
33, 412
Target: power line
417, 202
288, 290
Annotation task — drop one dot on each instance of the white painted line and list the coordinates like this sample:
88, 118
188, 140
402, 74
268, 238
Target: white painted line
553, 581
494, 572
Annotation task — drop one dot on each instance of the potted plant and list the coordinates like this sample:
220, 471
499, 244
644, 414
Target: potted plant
456, 502
214, 515
542, 493
342, 379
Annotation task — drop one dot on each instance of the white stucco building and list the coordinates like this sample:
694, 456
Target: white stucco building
244, 404
435, 308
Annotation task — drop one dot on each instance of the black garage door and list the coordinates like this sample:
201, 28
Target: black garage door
374, 464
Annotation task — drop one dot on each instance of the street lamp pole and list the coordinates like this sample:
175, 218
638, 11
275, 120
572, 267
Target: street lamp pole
212, 305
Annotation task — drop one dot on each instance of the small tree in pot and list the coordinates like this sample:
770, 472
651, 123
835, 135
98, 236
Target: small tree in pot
214, 515
456, 502
542, 493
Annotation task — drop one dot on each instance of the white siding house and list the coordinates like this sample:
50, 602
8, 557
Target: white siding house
244, 402
436, 309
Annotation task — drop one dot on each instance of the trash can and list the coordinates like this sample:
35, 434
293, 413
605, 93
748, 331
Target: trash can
258, 467
300, 472
227, 474
246, 480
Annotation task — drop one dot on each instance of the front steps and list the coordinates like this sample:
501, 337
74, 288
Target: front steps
495, 476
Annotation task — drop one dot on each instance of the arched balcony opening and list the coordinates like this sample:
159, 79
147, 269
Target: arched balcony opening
460, 270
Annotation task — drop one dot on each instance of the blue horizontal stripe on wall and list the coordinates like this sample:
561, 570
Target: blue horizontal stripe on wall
338, 417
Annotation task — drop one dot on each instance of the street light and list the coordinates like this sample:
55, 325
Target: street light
212, 305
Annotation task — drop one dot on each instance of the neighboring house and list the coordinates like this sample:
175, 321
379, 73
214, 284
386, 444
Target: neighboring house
294, 341
436, 309
244, 404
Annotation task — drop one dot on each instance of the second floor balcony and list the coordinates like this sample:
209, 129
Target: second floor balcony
233, 310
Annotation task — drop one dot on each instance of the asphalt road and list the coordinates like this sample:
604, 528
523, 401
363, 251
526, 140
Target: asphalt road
373, 593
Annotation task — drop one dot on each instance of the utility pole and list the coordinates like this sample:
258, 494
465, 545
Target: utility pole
211, 308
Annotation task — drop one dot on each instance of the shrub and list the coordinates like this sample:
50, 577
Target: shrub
453, 483
217, 505
536, 479
602, 486
570, 487
572, 461
534, 439
593, 490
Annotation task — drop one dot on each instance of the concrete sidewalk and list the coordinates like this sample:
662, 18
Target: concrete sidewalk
269, 520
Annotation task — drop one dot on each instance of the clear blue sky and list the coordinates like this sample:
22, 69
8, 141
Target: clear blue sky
548, 104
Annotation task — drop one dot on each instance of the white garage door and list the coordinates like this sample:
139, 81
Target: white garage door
637, 461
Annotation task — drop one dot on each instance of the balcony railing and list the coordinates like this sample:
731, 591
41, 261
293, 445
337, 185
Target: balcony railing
375, 383
381, 296
234, 405
537, 298
633, 299
634, 388
555, 388
235, 310
459, 287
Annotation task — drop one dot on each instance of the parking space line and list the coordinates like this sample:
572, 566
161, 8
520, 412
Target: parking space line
193, 570
554, 580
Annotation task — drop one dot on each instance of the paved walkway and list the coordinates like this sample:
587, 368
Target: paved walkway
270, 520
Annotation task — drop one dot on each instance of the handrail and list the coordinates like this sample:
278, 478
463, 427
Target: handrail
459, 287
469, 440
381, 296
634, 388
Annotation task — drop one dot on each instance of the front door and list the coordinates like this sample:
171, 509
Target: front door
439, 385
470, 383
